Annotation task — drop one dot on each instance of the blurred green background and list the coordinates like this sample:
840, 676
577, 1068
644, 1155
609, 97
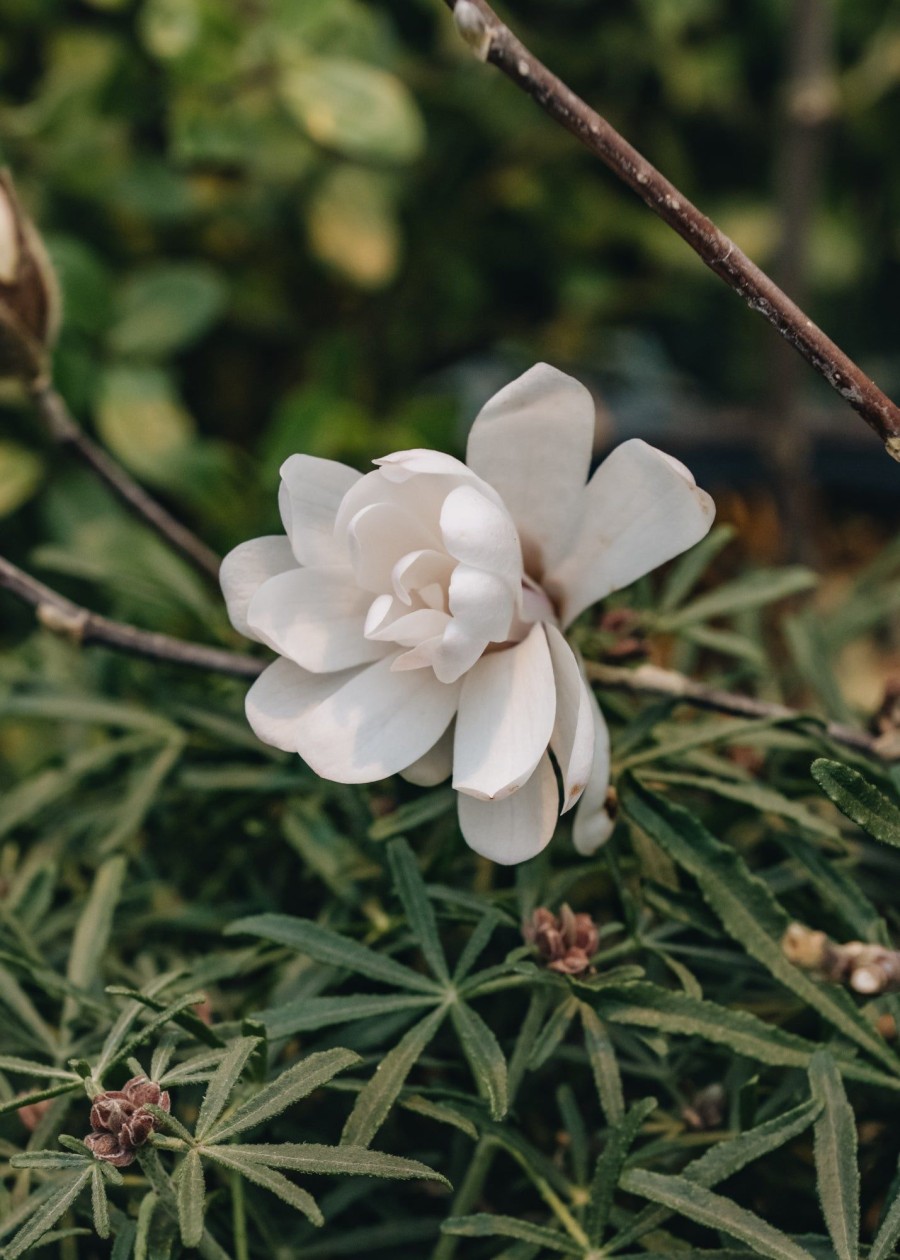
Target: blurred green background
321, 225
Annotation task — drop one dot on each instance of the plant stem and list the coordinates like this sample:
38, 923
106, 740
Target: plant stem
494, 42
65, 430
467, 1195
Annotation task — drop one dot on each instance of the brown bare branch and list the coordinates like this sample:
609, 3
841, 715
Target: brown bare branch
493, 41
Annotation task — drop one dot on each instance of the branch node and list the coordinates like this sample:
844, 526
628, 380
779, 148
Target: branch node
70, 622
472, 25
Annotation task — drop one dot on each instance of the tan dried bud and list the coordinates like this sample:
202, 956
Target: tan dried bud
29, 294
566, 942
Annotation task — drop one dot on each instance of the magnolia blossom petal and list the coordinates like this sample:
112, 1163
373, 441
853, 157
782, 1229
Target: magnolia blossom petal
640, 509
532, 441
592, 825
377, 724
244, 570
572, 741
311, 493
481, 534
449, 654
518, 827
506, 713
405, 464
315, 617
379, 536
418, 569
410, 629
279, 700
483, 603
435, 766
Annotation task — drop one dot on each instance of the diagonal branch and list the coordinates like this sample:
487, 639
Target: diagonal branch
494, 42
64, 429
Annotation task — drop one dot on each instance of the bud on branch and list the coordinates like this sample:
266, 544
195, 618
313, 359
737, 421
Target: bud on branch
868, 969
29, 294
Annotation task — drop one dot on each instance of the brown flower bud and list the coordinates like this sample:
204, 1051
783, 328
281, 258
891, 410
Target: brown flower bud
106, 1146
121, 1122
566, 942
29, 294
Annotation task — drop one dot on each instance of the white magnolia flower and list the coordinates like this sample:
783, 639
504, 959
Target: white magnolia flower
418, 611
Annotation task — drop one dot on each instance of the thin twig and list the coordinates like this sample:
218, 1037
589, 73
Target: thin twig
650, 680
66, 431
68, 619
64, 617
494, 42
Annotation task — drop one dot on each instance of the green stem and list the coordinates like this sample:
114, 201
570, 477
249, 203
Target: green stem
467, 1194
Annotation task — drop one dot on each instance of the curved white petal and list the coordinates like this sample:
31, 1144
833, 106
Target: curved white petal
418, 569
378, 723
483, 603
316, 618
379, 536
592, 825
518, 827
532, 441
481, 534
412, 627
506, 713
310, 495
282, 696
244, 570
641, 508
572, 741
435, 766
405, 464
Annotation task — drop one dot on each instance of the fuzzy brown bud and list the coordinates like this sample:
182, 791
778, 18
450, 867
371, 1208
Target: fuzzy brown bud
29, 294
120, 1121
566, 941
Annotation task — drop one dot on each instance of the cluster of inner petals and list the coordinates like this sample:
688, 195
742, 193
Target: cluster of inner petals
120, 1121
567, 942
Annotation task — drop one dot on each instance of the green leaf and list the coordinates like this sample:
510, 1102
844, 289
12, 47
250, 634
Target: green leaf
326, 946
191, 1199
609, 1167
269, 1179
380, 1093
310, 1157
483, 931
484, 1055
410, 888
307, 1014
690, 567
354, 108
94, 926
753, 590
602, 1058
99, 1202
143, 422
425, 809
714, 1211
223, 1081
27, 1067
859, 800
20, 475
295, 1083
552, 1034
49, 1212
486, 1226
51, 1159
755, 795
889, 1232
165, 308
748, 911
837, 1170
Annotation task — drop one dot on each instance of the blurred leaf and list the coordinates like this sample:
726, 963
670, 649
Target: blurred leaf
486, 1226
20, 475
753, 590
352, 227
166, 308
142, 421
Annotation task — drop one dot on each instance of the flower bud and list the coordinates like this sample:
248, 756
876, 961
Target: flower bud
29, 294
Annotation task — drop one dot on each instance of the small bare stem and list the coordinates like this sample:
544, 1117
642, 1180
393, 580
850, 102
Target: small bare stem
65, 430
493, 41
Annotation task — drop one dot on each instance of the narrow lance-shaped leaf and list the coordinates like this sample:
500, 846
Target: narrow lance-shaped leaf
191, 1199
99, 1204
485, 1057
50, 1211
311, 1157
269, 1179
860, 800
380, 1093
410, 888
602, 1058
486, 1226
747, 909
837, 1171
223, 1081
307, 1014
296, 1083
94, 926
609, 1167
329, 947
889, 1232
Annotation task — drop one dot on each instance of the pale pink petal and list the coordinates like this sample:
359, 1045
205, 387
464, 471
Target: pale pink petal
592, 825
378, 723
418, 569
481, 534
640, 509
533, 442
412, 627
435, 766
483, 603
518, 827
244, 570
310, 495
506, 714
280, 699
572, 741
316, 618
379, 535
450, 654
405, 464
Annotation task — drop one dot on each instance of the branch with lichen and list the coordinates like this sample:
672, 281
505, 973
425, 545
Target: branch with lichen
493, 41
867, 969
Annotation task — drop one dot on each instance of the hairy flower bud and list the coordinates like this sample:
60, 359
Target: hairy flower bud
120, 1122
566, 942
29, 295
